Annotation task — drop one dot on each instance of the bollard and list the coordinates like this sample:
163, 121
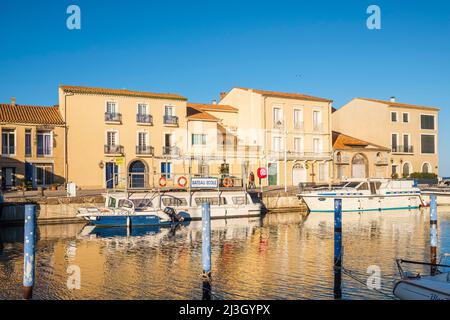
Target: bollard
433, 234
206, 250
337, 267
29, 251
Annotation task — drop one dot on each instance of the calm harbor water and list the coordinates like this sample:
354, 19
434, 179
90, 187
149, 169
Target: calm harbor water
281, 256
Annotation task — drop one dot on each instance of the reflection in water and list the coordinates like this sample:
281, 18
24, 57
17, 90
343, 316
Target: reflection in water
279, 257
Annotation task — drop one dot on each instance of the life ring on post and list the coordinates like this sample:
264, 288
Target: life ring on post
227, 182
182, 181
162, 182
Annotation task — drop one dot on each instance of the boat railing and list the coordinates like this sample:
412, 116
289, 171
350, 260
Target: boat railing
404, 274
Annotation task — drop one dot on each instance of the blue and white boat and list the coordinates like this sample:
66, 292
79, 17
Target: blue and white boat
365, 195
167, 207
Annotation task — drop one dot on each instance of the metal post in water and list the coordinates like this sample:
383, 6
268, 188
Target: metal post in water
29, 251
206, 250
433, 234
337, 248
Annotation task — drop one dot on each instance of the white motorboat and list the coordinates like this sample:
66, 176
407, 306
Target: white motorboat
418, 287
365, 195
166, 207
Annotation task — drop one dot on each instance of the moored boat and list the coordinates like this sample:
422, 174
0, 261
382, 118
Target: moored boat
365, 195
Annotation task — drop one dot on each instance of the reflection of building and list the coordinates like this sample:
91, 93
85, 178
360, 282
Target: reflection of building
293, 130
411, 131
121, 136
32, 146
355, 158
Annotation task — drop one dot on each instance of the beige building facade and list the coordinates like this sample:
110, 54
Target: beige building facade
290, 134
32, 146
410, 131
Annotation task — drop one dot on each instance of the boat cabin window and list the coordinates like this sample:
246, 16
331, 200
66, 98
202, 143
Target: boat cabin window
238, 200
174, 202
125, 203
362, 187
214, 201
141, 203
352, 184
112, 202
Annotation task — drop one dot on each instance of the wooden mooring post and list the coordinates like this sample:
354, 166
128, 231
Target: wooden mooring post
433, 234
206, 250
29, 251
337, 266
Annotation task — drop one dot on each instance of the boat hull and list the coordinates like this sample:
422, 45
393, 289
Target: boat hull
422, 289
318, 203
442, 198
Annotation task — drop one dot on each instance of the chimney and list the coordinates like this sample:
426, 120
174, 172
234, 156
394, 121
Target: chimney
13, 101
222, 95
214, 101
392, 99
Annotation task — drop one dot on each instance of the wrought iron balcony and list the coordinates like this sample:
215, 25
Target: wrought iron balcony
171, 120
113, 149
144, 119
113, 117
145, 150
171, 151
402, 149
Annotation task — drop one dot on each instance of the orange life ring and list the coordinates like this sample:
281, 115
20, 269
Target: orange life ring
227, 182
162, 182
182, 181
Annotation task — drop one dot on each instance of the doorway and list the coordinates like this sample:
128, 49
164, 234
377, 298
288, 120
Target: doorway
299, 174
111, 175
273, 174
359, 166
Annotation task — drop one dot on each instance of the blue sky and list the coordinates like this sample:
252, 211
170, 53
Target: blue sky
199, 48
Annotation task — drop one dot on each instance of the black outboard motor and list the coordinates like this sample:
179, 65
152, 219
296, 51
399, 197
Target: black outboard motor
174, 217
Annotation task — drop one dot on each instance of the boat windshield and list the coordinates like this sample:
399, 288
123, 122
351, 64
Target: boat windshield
352, 184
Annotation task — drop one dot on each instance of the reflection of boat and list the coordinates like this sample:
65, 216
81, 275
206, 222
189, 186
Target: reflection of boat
366, 195
165, 208
418, 287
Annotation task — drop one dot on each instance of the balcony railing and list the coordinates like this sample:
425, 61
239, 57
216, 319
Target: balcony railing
144, 118
113, 149
318, 126
294, 155
145, 150
171, 151
403, 149
171, 120
278, 124
299, 125
113, 117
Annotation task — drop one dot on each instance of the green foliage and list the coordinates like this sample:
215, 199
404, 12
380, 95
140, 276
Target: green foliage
423, 175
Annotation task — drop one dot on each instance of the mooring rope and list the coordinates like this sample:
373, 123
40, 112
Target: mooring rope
350, 274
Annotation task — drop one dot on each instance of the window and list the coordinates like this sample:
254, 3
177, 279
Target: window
203, 168
405, 117
298, 145
298, 119
111, 107
317, 145
142, 109
111, 138
198, 139
394, 116
44, 143
317, 120
394, 142
276, 144
428, 143
406, 146
142, 139
214, 201
28, 142
427, 122
238, 200
277, 116
169, 111
8, 142
174, 202
323, 171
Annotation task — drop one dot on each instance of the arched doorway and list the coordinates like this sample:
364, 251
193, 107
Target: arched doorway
359, 166
137, 175
406, 169
299, 174
426, 167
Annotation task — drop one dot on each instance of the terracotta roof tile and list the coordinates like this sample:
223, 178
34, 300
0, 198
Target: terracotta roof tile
121, 92
342, 141
30, 114
299, 96
213, 107
197, 114
400, 105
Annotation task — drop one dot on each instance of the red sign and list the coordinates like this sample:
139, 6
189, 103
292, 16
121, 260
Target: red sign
262, 173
